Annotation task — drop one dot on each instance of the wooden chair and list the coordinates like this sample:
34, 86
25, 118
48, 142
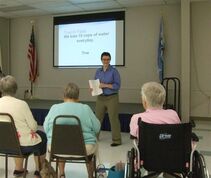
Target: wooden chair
9, 142
68, 143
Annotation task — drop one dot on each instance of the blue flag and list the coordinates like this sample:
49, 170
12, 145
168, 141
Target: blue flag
161, 48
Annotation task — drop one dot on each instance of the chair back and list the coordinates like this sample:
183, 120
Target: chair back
165, 147
9, 142
67, 137
172, 83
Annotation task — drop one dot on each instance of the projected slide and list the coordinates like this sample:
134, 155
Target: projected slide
80, 40
80, 43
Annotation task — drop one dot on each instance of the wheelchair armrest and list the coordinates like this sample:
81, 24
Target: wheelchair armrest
192, 123
132, 137
194, 137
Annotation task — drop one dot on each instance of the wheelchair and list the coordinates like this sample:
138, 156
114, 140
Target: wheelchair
165, 148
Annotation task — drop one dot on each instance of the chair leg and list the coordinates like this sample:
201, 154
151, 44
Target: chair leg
88, 167
91, 167
57, 164
6, 166
25, 166
39, 163
95, 166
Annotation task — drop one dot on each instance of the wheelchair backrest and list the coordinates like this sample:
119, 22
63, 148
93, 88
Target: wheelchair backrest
165, 147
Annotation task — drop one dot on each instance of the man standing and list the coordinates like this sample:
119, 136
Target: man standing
110, 83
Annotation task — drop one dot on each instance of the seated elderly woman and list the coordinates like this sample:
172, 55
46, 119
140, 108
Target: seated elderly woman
153, 97
89, 123
31, 139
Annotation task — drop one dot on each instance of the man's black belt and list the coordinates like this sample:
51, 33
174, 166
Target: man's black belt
109, 94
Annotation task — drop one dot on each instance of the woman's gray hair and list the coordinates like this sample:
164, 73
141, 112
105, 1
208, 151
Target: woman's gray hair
71, 91
154, 94
8, 86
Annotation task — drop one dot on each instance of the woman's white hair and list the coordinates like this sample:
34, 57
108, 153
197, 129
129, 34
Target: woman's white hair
71, 91
8, 86
153, 94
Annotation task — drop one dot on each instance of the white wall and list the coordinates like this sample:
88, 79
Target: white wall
4, 43
201, 59
142, 30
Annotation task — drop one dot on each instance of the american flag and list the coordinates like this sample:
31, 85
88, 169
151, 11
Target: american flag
161, 48
32, 56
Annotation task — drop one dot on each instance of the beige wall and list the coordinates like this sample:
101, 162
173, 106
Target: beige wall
4, 44
142, 29
201, 59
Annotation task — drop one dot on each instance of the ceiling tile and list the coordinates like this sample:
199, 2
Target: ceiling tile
24, 7
35, 12
9, 3
131, 3
15, 8
38, 1
57, 7
172, 1
100, 5
88, 1
49, 4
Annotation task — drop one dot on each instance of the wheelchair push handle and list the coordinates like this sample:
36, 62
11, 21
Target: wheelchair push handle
194, 137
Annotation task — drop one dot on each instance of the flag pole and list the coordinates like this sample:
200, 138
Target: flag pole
31, 91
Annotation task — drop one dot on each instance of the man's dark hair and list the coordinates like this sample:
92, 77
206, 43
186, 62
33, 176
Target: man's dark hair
105, 54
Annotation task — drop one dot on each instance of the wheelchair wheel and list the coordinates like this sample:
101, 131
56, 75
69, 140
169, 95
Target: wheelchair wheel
199, 166
130, 164
127, 173
204, 168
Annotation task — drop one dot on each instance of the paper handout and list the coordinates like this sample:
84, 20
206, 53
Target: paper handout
95, 85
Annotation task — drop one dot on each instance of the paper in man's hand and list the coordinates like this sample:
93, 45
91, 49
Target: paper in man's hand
95, 85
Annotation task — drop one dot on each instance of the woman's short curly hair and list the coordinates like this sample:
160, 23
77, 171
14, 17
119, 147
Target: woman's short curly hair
8, 86
154, 94
71, 91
